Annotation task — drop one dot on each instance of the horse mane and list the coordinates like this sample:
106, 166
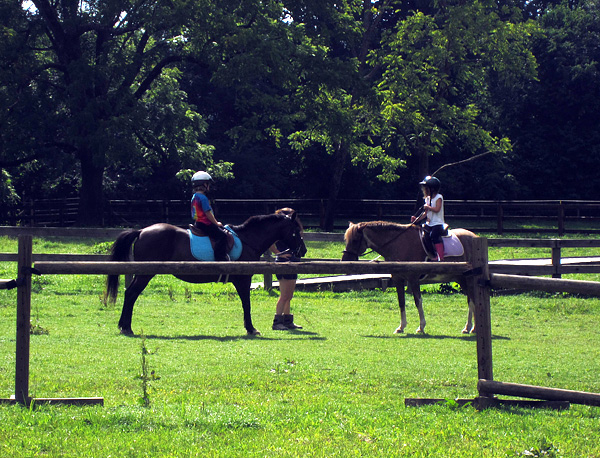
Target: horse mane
377, 225
256, 220
383, 225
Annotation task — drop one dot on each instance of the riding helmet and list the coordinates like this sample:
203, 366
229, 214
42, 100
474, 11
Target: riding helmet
201, 177
432, 183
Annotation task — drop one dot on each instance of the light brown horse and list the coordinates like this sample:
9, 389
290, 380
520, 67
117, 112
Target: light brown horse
401, 242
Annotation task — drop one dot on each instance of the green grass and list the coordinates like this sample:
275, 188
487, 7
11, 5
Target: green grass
334, 389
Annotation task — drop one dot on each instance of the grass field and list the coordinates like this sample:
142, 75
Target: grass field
192, 384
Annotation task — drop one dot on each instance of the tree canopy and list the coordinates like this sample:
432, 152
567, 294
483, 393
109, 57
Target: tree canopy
104, 99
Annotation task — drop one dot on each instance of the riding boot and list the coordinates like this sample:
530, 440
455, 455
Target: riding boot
288, 320
278, 324
439, 248
221, 251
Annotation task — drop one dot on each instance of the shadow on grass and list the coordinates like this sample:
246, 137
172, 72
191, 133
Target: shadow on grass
302, 335
466, 338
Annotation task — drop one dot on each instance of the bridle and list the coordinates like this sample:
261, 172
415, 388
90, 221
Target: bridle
300, 250
394, 238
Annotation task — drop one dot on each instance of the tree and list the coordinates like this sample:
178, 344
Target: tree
336, 97
82, 78
435, 85
556, 126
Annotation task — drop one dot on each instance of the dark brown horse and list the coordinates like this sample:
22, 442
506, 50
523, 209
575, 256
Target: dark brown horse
164, 242
401, 242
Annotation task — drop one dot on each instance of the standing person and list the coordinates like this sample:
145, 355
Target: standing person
434, 208
203, 216
284, 320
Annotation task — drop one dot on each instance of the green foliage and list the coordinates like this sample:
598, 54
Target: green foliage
436, 77
331, 98
555, 122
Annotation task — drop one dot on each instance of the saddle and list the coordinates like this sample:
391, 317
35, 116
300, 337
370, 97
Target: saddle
452, 244
202, 246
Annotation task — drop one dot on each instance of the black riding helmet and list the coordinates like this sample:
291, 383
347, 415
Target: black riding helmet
432, 183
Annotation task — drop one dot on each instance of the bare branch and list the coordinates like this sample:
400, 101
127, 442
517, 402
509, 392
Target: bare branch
472, 158
155, 73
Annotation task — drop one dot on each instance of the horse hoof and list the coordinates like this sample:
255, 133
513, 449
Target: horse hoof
399, 331
420, 331
254, 332
127, 332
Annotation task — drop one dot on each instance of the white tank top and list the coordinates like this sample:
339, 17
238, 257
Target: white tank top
433, 217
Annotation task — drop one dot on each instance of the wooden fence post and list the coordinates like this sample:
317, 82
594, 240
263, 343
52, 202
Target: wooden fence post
479, 284
561, 219
23, 319
499, 219
556, 259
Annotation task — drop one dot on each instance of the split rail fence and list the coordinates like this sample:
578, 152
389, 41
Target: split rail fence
558, 216
476, 271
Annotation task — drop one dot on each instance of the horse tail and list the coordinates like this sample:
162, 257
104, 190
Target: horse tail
121, 251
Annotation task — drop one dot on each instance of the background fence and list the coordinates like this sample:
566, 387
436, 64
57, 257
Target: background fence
550, 216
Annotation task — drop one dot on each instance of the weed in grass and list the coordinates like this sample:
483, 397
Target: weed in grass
147, 375
449, 288
452, 404
35, 328
545, 450
171, 293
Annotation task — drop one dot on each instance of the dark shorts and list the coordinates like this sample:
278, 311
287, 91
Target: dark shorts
287, 276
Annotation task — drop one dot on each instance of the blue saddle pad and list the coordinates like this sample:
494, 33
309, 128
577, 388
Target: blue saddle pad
202, 249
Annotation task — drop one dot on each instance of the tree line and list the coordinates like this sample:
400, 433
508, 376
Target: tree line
298, 98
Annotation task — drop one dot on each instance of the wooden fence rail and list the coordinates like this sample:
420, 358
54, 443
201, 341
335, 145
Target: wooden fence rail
246, 267
482, 215
556, 268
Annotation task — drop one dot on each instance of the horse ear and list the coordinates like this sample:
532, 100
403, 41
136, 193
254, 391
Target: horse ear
293, 216
350, 224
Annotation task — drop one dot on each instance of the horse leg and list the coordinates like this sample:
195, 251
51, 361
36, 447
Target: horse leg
416, 289
242, 286
470, 325
131, 294
400, 289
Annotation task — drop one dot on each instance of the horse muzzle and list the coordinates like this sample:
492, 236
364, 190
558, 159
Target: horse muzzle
349, 256
301, 250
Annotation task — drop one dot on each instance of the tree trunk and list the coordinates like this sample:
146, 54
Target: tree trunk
339, 164
91, 202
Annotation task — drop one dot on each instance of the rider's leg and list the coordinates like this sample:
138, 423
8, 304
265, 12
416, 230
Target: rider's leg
436, 238
439, 248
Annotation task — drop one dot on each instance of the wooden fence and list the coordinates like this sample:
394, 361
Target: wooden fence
556, 267
476, 272
559, 216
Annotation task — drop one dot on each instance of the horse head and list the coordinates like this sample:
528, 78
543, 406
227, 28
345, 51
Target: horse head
356, 245
293, 238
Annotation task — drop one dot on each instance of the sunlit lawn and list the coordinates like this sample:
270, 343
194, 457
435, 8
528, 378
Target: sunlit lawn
335, 388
